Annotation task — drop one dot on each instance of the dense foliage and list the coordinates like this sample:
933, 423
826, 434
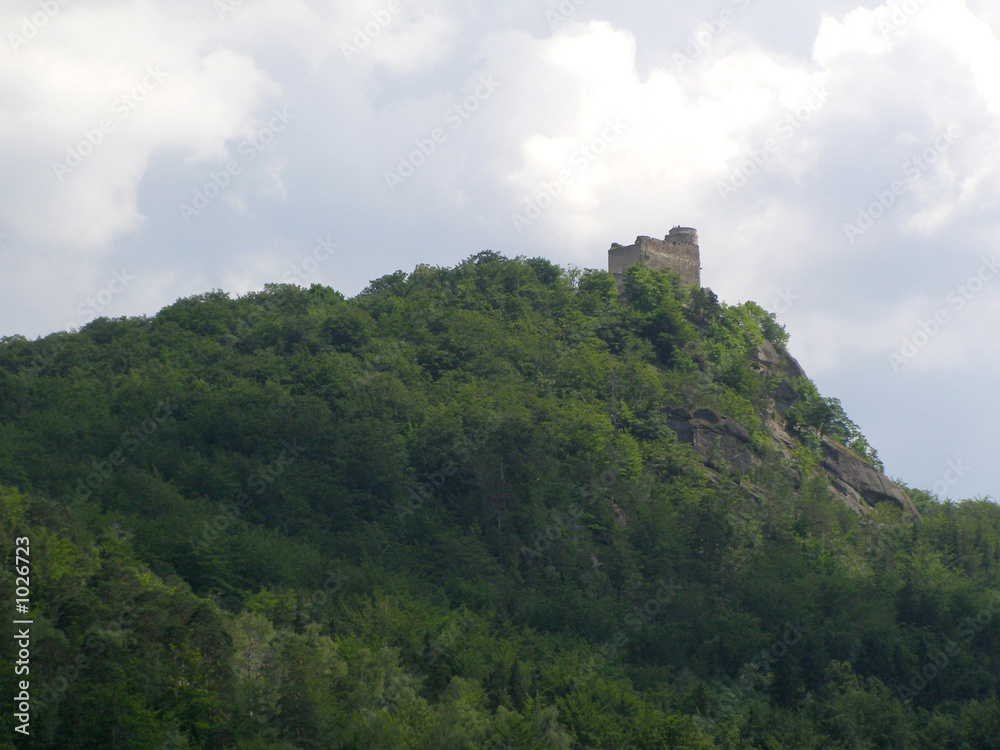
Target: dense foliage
449, 513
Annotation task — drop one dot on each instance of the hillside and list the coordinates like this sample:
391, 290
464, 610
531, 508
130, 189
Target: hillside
492, 506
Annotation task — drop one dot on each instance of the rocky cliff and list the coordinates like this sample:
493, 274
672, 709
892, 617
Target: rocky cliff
725, 445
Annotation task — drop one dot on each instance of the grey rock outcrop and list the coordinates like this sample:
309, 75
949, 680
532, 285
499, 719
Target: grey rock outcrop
715, 438
855, 480
777, 361
725, 443
784, 397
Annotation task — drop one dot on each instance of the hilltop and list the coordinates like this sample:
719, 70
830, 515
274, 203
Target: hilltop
500, 505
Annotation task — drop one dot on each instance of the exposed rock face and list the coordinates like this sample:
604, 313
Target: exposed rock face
792, 367
714, 437
784, 397
780, 363
776, 361
768, 357
786, 446
724, 442
850, 472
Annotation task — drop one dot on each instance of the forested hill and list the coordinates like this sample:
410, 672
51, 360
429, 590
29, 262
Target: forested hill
491, 506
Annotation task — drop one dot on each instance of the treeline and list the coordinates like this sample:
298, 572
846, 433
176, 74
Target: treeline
450, 513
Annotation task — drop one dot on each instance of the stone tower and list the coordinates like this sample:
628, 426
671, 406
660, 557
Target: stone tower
678, 251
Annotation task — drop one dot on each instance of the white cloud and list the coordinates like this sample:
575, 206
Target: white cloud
404, 37
82, 120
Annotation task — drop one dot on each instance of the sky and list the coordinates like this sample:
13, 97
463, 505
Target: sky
838, 158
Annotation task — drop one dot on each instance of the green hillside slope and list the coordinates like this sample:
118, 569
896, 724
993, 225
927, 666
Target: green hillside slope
493, 506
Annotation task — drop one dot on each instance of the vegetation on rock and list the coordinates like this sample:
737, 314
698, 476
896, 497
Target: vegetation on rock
450, 513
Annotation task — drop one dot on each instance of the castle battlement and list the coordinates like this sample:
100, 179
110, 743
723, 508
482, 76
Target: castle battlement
678, 251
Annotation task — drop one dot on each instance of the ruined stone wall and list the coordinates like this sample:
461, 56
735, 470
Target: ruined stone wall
681, 250
677, 251
621, 258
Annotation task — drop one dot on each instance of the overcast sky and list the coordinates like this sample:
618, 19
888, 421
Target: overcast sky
838, 158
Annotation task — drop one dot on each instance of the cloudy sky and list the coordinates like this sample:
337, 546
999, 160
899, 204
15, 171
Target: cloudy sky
838, 158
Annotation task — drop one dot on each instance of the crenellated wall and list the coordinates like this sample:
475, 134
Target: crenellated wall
677, 251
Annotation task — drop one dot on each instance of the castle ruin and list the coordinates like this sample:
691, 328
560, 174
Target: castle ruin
678, 251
